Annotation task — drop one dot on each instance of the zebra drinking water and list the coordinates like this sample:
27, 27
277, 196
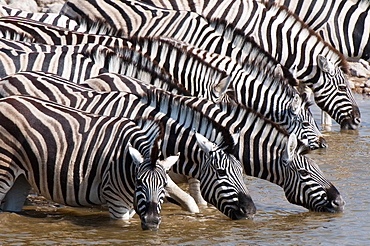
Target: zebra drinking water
80, 159
203, 159
265, 149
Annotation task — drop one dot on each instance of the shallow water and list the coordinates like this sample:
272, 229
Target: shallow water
277, 222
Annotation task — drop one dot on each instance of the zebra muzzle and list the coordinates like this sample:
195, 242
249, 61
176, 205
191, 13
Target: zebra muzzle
246, 207
150, 220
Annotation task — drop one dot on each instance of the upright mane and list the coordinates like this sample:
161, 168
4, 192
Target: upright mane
153, 129
140, 65
242, 112
257, 55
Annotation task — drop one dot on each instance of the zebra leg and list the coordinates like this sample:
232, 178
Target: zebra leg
194, 186
194, 190
120, 211
184, 199
16, 196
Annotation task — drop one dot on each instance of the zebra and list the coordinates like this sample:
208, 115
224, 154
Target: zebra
225, 79
315, 63
79, 159
203, 160
292, 111
263, 154
343, 24
265, 149
50, 18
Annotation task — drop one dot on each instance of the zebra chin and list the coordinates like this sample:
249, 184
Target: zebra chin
149, 217
353, 121
245, 208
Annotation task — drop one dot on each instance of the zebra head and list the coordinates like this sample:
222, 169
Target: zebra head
221, 181
151, 180
308, 131
304, 183
335, 97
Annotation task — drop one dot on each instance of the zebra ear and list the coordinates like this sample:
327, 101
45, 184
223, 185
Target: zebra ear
170, 161
278, 72
325, 65
296, 104
136, 156
221, 87
292, 70
236, 137
291, 146
206, 145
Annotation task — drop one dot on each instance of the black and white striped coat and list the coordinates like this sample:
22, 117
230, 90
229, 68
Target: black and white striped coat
199, 157
343, 24
79, 159
262, 146
205, 74
265, 150
316, 64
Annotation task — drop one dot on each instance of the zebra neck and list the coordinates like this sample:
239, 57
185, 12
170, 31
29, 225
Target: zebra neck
187, 111
132, 63
261, 144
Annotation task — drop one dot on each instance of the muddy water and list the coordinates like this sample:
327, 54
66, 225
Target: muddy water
277, 222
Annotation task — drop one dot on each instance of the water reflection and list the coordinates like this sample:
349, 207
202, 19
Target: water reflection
277, 222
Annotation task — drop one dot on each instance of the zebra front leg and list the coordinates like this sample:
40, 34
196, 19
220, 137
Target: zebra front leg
14, 199
194, 190
194, 186
120, 211
184, 199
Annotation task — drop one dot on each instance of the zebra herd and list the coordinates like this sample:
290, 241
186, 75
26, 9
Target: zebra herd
111, 101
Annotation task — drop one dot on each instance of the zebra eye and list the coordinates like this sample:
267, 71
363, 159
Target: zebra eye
305, 124
221, 172
342, 87
303, 172
139, 182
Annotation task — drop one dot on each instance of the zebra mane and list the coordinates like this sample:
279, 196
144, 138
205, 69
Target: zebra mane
214, 73
256, 54
244, 111
154, 130
187, 112
98, 27
178, 45
140, 65
15, 36
334, 52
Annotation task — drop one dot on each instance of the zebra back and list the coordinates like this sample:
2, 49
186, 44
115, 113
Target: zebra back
328, 19
45, 33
